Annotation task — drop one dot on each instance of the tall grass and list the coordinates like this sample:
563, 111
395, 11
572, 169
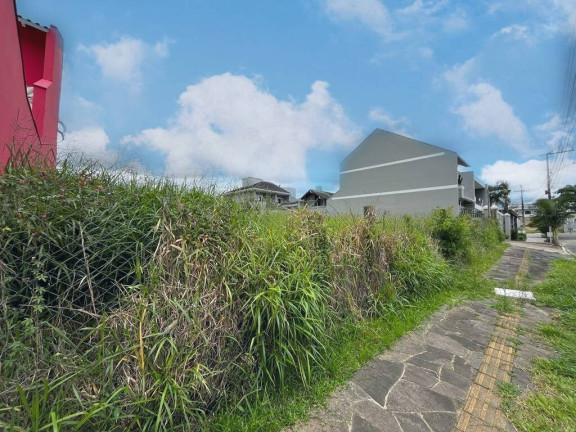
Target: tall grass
144, 305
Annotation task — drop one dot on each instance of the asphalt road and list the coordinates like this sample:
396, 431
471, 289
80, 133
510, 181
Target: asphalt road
569, 241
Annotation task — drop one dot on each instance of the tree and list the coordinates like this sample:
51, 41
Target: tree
567, 198
549, 215
500, 194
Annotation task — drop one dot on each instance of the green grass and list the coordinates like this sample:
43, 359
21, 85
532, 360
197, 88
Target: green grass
551, 404
505, 305
508, 392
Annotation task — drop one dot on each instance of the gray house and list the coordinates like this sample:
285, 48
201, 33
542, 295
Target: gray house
401, 175
259, 191
315, 198
472, 193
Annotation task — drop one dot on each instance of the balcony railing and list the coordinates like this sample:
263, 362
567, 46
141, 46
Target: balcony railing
471, 212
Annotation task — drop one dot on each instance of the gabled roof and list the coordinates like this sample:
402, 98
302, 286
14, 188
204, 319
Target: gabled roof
319, 193
262, 186
395, 135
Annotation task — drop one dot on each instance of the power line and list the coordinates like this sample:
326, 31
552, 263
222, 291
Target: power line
549, 190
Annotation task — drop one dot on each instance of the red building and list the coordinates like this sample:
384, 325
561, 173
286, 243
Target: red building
30, 81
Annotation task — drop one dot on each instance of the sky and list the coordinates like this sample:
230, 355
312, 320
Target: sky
284, 90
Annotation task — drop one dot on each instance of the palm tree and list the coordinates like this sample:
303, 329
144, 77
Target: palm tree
550, 214
500, 194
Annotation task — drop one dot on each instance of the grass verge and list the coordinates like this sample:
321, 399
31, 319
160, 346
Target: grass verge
551, 404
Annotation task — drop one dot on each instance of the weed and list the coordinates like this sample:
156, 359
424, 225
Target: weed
505, 305
508, 392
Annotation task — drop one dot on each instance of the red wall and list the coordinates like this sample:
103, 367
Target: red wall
46, 112
16, 125
32, 43
32, 57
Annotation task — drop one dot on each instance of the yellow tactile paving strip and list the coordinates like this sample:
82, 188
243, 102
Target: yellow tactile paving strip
481, 411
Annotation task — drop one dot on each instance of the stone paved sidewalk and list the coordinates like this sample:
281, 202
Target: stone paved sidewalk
442, 377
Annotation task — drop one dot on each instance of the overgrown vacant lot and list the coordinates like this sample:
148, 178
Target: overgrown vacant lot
148, 306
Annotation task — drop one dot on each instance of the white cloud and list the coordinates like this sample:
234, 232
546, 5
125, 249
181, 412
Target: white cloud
420, 7
459, 75
371, 13
484, 111
434, 14
515, 32
399, 126
494, 7
530, 174
558, 15
550, 16
122, 60
488, 114
91, 143
456, 22
426, 52
229, 125
87, 104
161, 48
80, 112
552, 131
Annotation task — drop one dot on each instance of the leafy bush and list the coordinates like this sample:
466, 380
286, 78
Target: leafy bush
515, 235
453, 233
488, 233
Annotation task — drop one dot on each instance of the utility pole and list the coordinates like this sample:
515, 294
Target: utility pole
522, 202
548, 191
548, 180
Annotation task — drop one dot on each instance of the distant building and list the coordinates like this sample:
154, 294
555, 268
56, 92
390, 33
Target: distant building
29, 86
315, 198
401, 175
256, 190
529, 213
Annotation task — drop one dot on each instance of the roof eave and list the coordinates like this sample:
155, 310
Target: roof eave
462, 162
235, 191
27, 23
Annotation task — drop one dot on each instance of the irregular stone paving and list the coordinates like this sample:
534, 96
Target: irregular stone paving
540, 259
428, 381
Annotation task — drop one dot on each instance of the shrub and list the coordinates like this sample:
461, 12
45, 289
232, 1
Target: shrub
487, 233
453, 233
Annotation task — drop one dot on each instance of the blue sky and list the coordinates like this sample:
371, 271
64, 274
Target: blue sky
284, 90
